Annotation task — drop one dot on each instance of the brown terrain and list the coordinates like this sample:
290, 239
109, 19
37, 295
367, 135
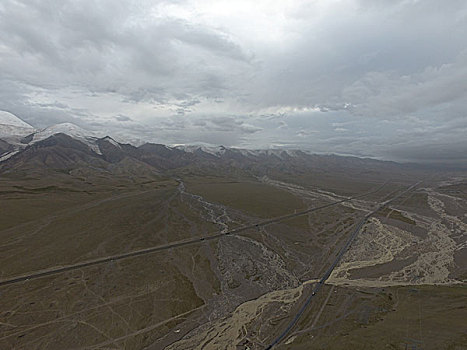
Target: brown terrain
400, 285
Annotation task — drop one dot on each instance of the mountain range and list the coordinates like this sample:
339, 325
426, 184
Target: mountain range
67, 146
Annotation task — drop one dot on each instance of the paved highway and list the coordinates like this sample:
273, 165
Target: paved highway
336, 261
59, 269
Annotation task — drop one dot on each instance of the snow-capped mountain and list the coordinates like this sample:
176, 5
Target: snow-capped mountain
18, 134
20, 142
7, 118
112, 142
12, 128
15, 135
87, 137
204, 147
219, 151
12, 131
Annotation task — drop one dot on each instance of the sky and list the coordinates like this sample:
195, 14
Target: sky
375, 78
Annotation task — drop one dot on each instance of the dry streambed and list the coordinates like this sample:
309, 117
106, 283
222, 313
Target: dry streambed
407, 259
431, 258
236, 329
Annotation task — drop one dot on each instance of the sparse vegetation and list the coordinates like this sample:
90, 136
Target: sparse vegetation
236, 290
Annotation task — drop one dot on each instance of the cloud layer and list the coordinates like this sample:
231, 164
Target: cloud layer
374, 78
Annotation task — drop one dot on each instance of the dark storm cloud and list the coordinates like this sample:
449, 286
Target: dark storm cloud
380, 78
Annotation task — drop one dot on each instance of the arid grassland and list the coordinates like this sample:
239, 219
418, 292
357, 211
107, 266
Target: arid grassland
401, 284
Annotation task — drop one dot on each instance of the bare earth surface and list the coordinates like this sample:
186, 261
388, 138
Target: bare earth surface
401, 285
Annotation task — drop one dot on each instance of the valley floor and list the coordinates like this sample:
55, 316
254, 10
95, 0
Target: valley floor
401, 284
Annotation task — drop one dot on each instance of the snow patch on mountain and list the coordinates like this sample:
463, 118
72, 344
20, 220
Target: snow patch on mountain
7, 118
279, 153
205, 147
112, 141
244, 152
218, 151
12, 128
87, 137
8, 155
14, 131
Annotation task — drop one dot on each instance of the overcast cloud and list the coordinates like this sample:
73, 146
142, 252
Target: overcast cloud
385, 79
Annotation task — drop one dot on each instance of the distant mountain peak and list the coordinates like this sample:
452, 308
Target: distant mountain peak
203, 147
87, 137
65, 128
7, 118
13, 129
111, 141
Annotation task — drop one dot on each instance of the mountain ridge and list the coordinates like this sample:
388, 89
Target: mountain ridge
18, 136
